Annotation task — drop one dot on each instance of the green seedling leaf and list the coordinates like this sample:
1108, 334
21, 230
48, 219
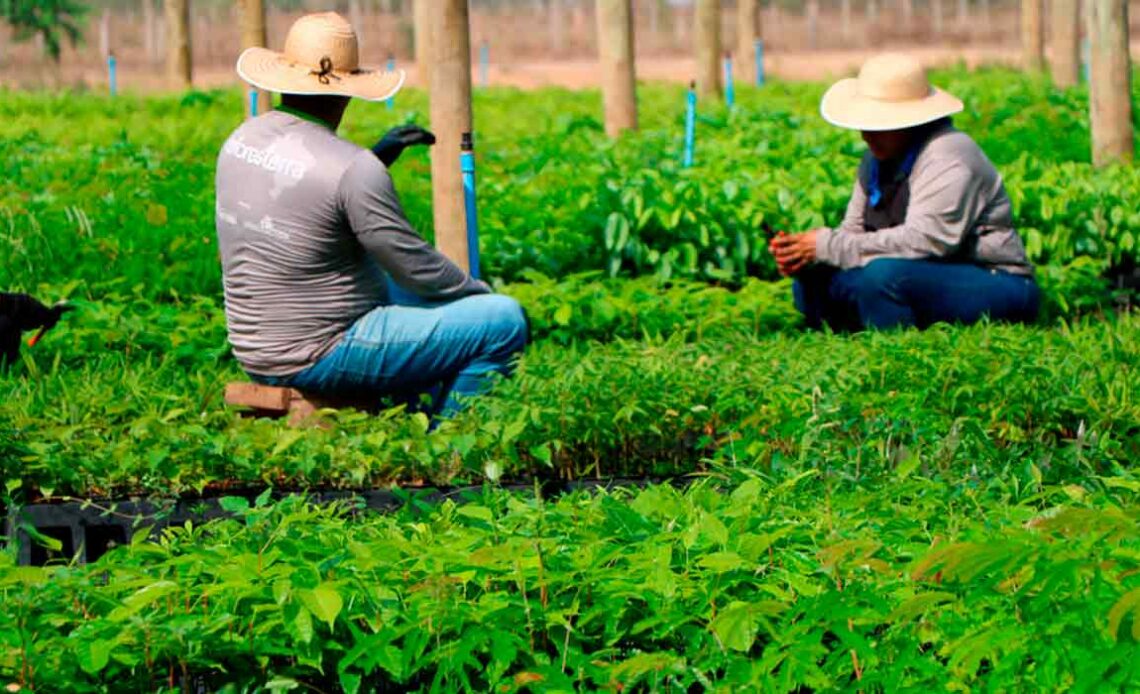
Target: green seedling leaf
324, 602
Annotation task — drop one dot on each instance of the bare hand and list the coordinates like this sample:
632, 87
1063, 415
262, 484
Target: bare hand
793, 252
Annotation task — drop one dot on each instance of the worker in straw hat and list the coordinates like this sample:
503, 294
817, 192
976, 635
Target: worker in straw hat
928, 234
314, 244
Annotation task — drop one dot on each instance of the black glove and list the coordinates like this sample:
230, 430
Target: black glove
390, 146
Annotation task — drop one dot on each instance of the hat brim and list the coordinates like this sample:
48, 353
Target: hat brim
844, 107
272, 71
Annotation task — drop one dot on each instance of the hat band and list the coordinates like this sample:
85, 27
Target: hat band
326, 71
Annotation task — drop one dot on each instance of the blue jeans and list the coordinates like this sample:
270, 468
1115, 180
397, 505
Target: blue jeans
409, 349
891, 293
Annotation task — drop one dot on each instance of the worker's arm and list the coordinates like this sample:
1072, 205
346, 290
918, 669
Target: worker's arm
373, 211
946, 200
853, 220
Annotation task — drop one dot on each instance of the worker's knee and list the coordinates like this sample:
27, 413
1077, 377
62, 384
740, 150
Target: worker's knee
883, 276
507, 321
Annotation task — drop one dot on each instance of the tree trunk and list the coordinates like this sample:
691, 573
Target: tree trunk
936, 17
872, 12
150, 32
845, 18
1065, 17
450, 118
179, 61
1032, 35
747, 31
1110, 102
424, 51
963, 16
356, 18
679, 20
253, 34
907, 8
105, 34
708, 48
615, 53
556, 22
812, 12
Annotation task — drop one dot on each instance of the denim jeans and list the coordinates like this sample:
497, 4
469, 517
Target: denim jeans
410, 348
890, 293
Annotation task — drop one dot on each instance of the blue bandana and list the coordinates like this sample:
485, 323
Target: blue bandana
875, 194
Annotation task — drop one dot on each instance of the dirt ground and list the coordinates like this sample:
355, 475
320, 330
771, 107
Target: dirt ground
579, 74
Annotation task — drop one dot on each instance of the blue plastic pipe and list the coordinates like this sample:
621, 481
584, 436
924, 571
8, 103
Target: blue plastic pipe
690, 123
729, 87
391, 67
467, 168
112, 77
253, 103
484, 62
759, 45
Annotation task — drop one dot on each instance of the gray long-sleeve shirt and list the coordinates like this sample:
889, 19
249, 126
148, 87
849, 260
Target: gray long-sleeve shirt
308, 227
958, 209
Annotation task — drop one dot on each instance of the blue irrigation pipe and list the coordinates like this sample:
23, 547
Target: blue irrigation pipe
253, 103
391, 68
729, 87
690, 123
759, 46
467, 169
112, 76
484, 62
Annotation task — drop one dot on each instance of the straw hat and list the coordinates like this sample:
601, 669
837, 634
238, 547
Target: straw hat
890, 93
321, 57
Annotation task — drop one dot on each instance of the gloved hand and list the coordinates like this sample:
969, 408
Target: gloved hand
390, 146
26, 313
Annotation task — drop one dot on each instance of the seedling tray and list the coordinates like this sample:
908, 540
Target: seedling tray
86, 529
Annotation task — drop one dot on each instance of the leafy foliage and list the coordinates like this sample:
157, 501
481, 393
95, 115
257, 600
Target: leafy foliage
952, 509
793, 578
54, 20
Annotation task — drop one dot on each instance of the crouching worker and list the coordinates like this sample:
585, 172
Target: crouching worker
928, 235
20, 313
315, 246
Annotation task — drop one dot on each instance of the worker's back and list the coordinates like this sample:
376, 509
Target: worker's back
295, 275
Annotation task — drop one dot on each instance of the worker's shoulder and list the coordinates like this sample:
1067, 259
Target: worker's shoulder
953, 145
364, 170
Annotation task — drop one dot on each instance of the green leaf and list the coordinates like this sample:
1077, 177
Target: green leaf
94, 654
303, 623
736, 626
1129, 603
563, 314
350, 682
476, 511
721, 562
236, 505
324, 602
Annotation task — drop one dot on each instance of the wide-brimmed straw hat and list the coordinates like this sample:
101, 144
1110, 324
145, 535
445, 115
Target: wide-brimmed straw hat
321, 57
890, 93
